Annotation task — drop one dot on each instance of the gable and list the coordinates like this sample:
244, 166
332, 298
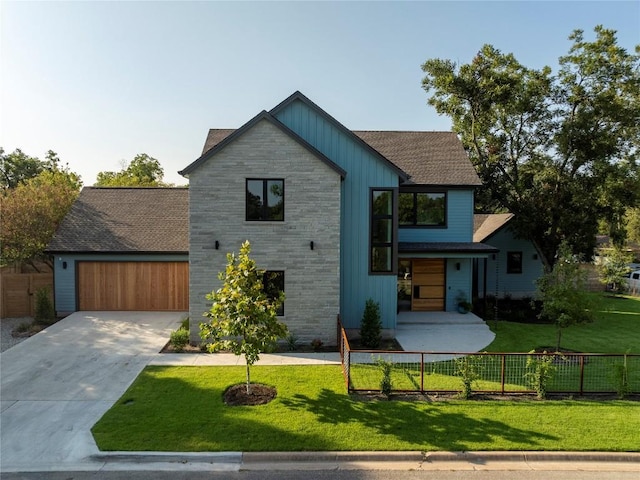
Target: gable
487, 225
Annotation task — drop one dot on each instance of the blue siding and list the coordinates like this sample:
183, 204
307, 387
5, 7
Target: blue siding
499, 282
64, 279
458, 281
364, 171
459, 222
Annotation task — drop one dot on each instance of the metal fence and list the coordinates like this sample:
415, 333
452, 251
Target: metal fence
497, 373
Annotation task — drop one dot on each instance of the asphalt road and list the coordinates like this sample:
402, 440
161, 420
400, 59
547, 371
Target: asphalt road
330, 475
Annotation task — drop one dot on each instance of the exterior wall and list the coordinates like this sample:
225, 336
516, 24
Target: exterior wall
499, 282
459, 222
64, 279
458, 281
311, 213
364, 171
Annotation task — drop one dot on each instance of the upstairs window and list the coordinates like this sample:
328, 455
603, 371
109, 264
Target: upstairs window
265, 200
514, 262
422, 209
273, 285
381, 233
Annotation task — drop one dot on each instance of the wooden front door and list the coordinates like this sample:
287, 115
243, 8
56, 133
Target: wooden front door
428, 284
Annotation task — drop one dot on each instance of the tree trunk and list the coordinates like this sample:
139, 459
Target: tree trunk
559, 338
248, 380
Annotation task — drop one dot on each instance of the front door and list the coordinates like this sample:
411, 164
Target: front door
428, 284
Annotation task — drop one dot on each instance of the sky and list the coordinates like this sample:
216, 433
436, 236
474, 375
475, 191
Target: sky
100, 82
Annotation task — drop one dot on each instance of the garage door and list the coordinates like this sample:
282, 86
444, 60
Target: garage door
142, 286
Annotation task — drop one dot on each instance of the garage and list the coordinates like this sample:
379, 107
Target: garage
130, 285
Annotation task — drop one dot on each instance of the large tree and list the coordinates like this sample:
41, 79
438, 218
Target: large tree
559, 151
32, 211
17, 167
143, 171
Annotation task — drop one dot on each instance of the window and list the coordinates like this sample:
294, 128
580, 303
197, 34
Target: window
265, 200
273, 283
422, 209
381, 238
514, 262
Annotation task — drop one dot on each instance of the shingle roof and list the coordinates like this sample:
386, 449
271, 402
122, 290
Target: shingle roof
431, 158
486, 224
125, 220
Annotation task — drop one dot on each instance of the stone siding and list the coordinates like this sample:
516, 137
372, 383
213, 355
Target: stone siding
312, 213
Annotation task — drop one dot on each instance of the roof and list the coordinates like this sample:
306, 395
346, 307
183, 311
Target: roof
487, 224
125, 220
445, 247
431, 158
231, 135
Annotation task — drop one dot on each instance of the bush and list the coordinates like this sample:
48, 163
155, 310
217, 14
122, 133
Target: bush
621, 379
371, 327
385, 382
540, 372
44, 307
468, 369
179, 339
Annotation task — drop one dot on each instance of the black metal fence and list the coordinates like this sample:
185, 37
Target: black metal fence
498, 373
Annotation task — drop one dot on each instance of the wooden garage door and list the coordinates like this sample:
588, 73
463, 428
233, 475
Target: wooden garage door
152, 286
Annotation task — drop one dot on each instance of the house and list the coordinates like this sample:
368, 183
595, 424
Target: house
334, 216
513, 270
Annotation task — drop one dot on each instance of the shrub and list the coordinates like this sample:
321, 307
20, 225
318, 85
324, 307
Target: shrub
385, 382
540, 372
44, 307
621, 379
179, 339
468, 369
316, 344
371, 327
292, 342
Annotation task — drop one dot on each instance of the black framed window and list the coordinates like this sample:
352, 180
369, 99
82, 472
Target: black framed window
381, 234
514, 262
265, 200
273, 284
422, 209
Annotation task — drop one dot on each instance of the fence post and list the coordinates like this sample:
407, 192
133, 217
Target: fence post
502, 372
581, 374
422, 372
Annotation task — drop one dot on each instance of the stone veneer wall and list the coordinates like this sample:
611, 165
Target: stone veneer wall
312, 213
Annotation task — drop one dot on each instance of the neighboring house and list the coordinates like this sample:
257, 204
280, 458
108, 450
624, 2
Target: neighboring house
334, 216
512, 271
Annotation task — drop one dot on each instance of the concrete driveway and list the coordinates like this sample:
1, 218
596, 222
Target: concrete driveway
55, 385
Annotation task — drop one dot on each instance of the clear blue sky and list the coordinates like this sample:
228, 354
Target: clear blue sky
99, 82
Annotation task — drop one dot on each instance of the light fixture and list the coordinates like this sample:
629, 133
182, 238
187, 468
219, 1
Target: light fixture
493, 256
458, 266
535, 256
217, 244
64, 265
311, 244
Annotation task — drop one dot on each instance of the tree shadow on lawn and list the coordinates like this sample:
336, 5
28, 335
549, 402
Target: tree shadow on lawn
416, 423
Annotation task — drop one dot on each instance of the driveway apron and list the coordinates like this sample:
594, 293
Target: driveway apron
55, 385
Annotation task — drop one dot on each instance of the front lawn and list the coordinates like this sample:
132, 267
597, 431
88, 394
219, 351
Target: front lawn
615, 330
181, 409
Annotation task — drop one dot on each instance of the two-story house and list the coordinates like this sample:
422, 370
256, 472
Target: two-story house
334, 216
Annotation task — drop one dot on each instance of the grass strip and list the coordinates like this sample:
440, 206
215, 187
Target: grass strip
181, 409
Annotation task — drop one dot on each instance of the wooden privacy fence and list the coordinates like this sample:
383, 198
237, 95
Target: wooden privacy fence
498, 373
19, 292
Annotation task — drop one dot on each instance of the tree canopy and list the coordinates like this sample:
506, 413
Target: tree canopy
34, 206
143, 171
559, 151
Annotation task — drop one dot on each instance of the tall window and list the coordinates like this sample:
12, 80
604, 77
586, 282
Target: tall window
381, 259
422, 209
265, 200
273, 283
514, 262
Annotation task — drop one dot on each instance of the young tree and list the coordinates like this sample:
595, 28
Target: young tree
143, 171
562, 292
557, 151
31, 213
243, 318
615, 268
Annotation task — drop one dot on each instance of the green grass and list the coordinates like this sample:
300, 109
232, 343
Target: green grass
615, 330
181, 409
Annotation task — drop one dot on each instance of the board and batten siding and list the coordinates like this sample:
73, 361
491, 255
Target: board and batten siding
459, 221
364, 171
65, 280
517, 285
312, 196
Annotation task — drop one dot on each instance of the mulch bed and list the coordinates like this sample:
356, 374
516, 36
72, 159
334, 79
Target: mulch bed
260, 394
